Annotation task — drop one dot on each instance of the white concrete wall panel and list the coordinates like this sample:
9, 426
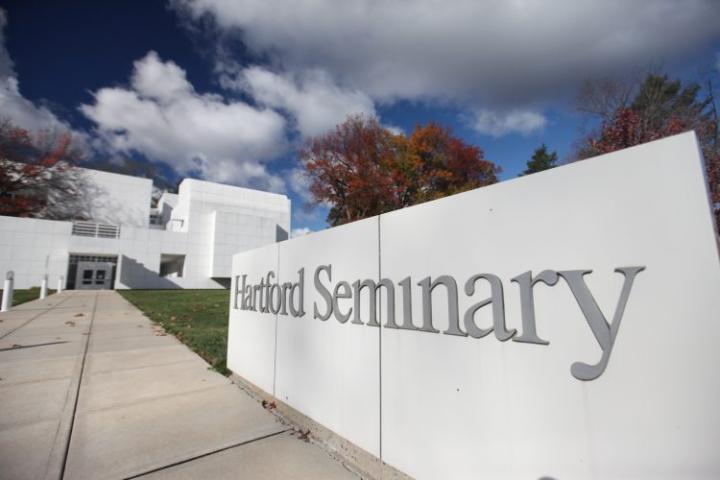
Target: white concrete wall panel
118, 199
459, 407
513, 410
252, 335
31, 248
326, 369
236, 232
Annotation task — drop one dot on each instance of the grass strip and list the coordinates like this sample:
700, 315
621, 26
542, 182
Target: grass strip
198, 318
23, 295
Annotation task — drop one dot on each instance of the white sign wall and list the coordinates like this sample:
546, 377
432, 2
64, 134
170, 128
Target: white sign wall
528, 354
326, 369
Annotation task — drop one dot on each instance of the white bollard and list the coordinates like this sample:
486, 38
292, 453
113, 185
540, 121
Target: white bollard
60, 284
7, 295
43, 287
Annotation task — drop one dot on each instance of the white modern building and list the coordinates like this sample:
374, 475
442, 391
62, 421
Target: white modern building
186, 242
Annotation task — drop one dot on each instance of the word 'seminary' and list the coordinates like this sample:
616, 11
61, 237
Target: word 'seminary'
288, 299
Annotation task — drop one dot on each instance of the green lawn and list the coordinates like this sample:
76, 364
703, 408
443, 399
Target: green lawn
26, 294
198, 318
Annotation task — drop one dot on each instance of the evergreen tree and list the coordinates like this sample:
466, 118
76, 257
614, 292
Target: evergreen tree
541, 160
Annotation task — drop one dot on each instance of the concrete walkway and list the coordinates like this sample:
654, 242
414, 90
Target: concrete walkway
90, 389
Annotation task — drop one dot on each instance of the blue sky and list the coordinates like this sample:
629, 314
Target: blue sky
227, 90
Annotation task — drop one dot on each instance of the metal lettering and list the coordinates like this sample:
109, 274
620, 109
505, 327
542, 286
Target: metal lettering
604, 333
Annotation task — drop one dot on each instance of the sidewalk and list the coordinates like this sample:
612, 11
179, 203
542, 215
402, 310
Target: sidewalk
89, 389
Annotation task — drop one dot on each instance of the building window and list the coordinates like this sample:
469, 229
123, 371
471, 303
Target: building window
172, 265
156, 219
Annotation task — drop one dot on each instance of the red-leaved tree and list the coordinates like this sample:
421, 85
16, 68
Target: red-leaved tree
37, 175
626, 129
361, 169
656, 108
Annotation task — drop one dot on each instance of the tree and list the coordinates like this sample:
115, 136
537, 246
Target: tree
438, 164
660, 107
37, 175
351, 169
541, 160
362, 169
602, 97
628, 128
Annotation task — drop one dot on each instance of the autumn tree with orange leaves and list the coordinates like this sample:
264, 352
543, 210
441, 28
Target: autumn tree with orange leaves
362, 169
37, 175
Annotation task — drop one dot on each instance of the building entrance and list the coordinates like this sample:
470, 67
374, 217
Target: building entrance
91, 272
93, 276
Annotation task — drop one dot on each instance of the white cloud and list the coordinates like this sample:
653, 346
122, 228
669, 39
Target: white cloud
299, 183
162, 116
498, 123
24, 113
160, 80
394, 129
299, 232
305, 212
498, 54
13, 106
311, 97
